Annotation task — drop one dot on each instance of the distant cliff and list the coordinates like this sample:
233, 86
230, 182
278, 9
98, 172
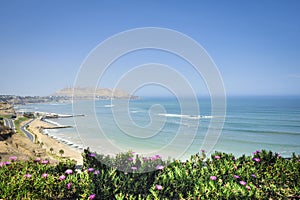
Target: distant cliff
5, 132
91, 93
6, 109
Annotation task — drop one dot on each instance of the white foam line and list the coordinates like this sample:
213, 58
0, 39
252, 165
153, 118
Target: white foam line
134, 111
185, 116
65, 141
109, 106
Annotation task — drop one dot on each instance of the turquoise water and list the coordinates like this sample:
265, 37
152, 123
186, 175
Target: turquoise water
161, 126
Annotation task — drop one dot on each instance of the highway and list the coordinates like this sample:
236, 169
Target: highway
27, 133
9, 123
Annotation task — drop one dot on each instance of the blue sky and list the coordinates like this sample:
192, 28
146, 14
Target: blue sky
255, 44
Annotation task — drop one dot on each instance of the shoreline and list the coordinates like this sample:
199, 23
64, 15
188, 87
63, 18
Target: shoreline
243, 132
35, 127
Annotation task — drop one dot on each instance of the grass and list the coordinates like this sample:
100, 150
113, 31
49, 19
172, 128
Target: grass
5, 116
18, 123
58, 157
2, 117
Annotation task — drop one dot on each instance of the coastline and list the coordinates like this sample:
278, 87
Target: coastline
49, 142
262, 123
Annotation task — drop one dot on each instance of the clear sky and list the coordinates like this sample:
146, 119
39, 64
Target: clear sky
255, 44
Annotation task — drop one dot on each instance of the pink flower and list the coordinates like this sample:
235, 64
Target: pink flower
145, 159
37, 160
213, 178
248, 187
69, 185
160, 167
69, 171
92, 155
256, 159
256, 152
96, 172
236, 176
134, 168
45, 161
217, 157
155, 157
1, 164
44, 175
90, 169
243, 183
62, 177
158, 187
278, 156
13, 158
253, 175
131, 159
28, 175
92, 196
6, 163
152, 158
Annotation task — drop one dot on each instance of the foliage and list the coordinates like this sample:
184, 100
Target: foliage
37, 179
28, 115
61, 152
264, 175
126, 175
260, 176
51, 150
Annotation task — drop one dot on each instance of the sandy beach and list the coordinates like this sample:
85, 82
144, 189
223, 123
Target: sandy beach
48, 142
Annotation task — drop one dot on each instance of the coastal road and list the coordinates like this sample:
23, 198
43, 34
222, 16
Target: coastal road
9, 123
27, 133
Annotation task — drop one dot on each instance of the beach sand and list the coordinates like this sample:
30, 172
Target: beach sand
48, 142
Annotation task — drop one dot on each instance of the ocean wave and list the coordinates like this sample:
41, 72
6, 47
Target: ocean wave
70, 143
52, 122
66, 142
260, 131
58, 104
186, 116
108, 106
45, 131
135, 111
264, 143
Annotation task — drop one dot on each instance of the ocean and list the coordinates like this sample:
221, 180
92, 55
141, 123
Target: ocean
161, 126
